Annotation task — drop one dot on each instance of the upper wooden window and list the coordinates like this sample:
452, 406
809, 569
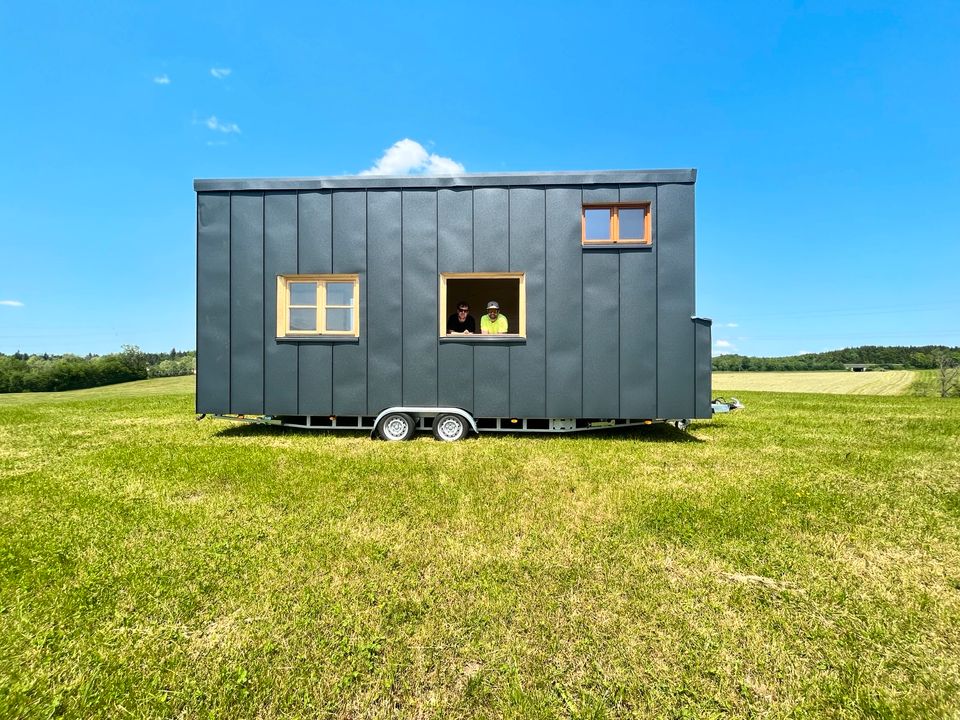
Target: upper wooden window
311, 305
616, 224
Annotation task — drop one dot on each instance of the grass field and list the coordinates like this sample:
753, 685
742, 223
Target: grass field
892, 382
799, 558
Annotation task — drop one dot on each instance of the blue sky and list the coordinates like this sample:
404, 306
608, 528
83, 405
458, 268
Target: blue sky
825, 135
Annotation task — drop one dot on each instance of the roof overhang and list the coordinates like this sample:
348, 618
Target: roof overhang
362, 182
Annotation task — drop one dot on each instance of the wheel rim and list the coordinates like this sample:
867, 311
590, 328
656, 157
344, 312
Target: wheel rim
395, 428
450, 428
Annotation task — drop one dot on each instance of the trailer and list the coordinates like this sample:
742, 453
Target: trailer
331, 303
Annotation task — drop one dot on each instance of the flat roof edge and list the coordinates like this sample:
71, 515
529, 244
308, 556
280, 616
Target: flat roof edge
596, 177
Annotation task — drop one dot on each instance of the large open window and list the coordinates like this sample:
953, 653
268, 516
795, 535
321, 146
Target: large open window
312, 305
616, 224
476, 290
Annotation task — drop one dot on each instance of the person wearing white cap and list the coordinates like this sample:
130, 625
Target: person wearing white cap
493, 323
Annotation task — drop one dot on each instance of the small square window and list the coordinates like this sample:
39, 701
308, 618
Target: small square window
616, 224
309, 305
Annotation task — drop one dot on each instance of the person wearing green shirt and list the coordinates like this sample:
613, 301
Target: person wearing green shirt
493, 323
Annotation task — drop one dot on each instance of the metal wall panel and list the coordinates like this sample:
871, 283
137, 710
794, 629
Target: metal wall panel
455, 254
350, 256
280, 381
675, 302
601, 194
601, 333
564, 327
491, 385
419, 297
491, 230
213, 303
385, 296
638, 317
315, 256
246, 303
491, 250
704, 374
528, 380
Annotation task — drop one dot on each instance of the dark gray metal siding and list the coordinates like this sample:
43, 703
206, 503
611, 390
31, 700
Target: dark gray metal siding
609, 332
704, 363
279, 254
675, 301
455, 368
528, 372
491, 253
419, 297
350, 256
315, 256
384, 313
213, 303
564, 308
246, 303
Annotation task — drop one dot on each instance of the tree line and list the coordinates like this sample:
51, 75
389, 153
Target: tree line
20, 372
926, 357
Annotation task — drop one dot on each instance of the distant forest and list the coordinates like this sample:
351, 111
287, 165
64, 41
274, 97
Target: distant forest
883, 357
41, 373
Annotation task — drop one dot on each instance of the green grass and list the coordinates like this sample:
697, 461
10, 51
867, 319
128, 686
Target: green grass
799, 558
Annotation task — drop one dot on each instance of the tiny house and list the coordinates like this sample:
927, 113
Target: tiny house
330, 302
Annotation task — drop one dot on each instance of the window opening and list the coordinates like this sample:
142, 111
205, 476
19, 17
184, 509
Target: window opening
476, 291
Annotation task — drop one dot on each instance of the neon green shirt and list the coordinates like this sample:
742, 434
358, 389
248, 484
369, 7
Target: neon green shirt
493, 327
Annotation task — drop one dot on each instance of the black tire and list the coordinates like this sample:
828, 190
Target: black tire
450, 427
396, 426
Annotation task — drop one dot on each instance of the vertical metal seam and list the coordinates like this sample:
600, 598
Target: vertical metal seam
403, 364
436, 302
656, 284
546, 302
230, 304
366, 300
196, 310
517, 320
619, 322
473, 268
333, 409
263, 304
296, 247
582, 337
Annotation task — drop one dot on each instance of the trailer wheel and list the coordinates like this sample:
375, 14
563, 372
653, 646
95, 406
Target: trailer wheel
449, 427
396, 426
682, 424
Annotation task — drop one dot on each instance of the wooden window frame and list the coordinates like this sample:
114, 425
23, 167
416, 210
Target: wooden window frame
521, 311
284, 306
614, 238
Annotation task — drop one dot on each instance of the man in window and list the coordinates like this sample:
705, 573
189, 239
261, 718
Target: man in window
493, 323
461, 322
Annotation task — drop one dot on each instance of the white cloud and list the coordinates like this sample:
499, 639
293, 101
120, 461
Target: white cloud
408, 157
220, 73
214, 124
724, 344
11, 303
729, 325
162, 79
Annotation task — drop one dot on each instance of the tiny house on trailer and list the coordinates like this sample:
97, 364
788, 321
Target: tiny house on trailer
323, 303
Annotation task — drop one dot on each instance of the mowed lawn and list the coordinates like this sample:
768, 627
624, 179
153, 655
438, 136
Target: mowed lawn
891, 382
798, 558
